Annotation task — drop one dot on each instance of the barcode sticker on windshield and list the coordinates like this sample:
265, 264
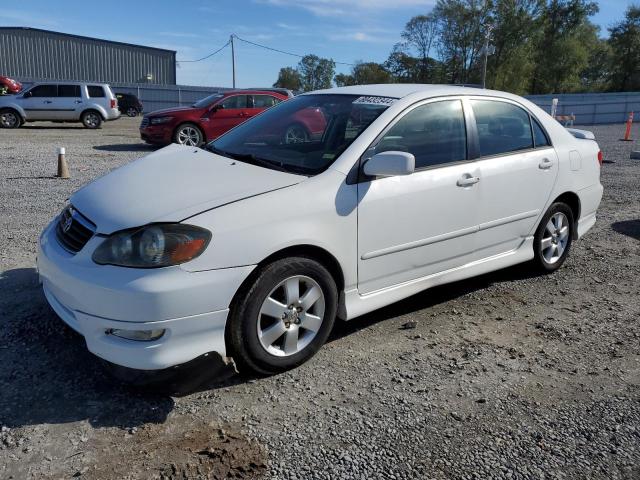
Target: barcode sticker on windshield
375, 100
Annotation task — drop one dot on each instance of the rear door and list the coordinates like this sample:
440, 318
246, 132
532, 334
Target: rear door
68, 103
38, 102
229, 112
518, 168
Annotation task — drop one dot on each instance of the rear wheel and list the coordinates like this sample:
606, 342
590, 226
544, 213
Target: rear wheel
283, 317
188, 134
552, 240
10, 119
91, 119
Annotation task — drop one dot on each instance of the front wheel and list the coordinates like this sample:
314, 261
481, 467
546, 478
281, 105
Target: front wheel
189, 135
9, 119
283, 317
132, 112
552, 240
295, 133
91, 119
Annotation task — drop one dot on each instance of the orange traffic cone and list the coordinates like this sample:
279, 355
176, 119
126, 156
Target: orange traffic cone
627, 132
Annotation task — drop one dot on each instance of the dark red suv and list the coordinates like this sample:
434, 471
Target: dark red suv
208, 118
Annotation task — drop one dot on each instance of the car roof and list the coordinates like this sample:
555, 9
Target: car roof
251, 92
65, 82
400, 90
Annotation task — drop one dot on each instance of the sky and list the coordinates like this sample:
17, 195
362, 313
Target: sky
345, 30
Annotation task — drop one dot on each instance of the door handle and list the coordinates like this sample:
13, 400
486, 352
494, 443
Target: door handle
78, 101
545, 164
48, 101
467, 180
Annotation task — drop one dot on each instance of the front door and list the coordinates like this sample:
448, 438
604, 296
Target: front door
424, 223
38, 103
225, 115
518, 168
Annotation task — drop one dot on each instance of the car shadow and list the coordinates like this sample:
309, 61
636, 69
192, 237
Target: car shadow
47, 375
127, 147
75, 126
631, 228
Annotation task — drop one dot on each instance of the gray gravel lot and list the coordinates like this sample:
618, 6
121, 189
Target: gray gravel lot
509, 375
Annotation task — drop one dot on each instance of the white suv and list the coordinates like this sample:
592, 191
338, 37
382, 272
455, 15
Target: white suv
89, 103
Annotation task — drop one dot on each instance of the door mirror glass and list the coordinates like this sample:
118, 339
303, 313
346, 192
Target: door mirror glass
27, 95
390, 164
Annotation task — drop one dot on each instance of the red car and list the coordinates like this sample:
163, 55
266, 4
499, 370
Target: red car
11, 85
208, 118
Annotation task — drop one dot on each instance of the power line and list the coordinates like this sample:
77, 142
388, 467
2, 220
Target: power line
284, 52
208, 56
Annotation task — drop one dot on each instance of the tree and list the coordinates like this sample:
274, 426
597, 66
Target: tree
562, 50
419, 33
364, 74
289, 78
462, 27
315, 72
625, 45
403, 67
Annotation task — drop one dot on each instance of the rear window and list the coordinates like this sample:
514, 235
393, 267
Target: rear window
95, 91
264, 101
69, 90
502, 127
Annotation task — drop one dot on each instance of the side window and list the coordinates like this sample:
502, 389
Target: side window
69, 91
95, 91
434, 133
264, 101
539, 137
502, 127
44, 91
237, 101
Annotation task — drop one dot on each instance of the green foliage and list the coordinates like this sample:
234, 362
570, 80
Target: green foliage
289, 78
625, 51
315, 72
364, 74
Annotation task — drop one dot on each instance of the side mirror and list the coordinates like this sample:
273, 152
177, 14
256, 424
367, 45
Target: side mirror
216, 107
27, 95
390, 164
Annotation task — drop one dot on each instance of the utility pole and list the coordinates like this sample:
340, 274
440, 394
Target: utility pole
233, 61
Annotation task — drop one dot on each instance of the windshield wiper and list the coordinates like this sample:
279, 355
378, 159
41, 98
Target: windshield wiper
248, 158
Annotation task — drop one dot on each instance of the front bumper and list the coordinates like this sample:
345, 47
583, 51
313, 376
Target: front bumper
159, 135
191, 307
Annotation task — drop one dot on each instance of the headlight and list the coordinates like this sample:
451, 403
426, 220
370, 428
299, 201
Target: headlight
153, 246
160, 120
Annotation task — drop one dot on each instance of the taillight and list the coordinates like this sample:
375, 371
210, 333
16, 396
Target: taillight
114, 102
600, 157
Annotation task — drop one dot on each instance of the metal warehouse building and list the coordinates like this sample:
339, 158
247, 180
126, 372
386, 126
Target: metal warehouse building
33, 54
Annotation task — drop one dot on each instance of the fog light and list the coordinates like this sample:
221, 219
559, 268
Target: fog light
139, 335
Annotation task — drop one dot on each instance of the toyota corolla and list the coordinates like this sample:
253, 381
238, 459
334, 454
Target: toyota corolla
254, 245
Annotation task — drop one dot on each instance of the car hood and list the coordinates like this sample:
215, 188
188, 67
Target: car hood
171, 185
169, 111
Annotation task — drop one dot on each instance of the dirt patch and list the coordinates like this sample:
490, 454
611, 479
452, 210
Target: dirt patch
178, 449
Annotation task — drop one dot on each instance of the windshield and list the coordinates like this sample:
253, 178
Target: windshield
206, 101
302, 135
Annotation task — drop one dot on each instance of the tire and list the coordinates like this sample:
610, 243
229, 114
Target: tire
132, 112
295, 133
9, 118
188, 134
261, 339
552, 241
91, 119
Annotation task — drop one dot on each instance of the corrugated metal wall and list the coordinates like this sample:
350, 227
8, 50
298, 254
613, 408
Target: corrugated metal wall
33, 53
592, 108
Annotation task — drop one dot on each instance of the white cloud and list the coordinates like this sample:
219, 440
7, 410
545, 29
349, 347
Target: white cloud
333, 8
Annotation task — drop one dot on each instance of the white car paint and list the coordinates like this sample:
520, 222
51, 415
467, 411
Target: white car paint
391, 237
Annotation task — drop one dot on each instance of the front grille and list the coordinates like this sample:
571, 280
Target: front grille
73, 230
145, 122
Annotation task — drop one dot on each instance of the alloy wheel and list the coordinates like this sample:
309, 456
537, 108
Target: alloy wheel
555, 238
189, 136
291, 316
132, 112
91, 120
8, 119
295, 134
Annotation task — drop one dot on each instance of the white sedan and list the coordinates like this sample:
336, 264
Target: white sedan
253, 246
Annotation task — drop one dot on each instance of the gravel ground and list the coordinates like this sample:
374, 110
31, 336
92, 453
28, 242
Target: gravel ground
509, 375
